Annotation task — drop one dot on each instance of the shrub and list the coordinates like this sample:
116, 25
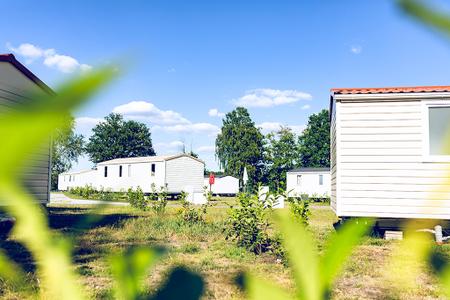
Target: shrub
137, 199
159, 198
300, 210
207, 193
189, 214
248, 224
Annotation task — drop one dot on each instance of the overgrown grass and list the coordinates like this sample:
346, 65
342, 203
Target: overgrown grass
203, 248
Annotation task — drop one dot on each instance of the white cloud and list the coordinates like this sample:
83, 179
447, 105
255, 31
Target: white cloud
214, 112
306, 106
87, 121
84, 125
171, 70
169, 147
148, 111
52, 59
356, 49
267, 127
206, 128
270, 97
203, 149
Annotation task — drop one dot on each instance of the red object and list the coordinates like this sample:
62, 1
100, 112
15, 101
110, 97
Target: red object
412, 89
212, 178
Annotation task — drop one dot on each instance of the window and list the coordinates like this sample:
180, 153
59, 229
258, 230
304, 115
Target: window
106, 171
437, 131
320, 179
120, 171
129, 170
299, 179
153, 169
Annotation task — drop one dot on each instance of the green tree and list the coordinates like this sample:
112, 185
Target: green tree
314, 143
239, 145
281, 154
117, 138
67, 147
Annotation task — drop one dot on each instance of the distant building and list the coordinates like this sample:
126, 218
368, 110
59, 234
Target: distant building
223, 185
17, 83
314, 182
177, 173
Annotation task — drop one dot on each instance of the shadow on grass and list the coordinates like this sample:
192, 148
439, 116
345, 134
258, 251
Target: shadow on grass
73, 222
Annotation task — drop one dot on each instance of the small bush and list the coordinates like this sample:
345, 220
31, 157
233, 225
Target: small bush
300, 210
137, 199
189, 214
160, 199
248, 224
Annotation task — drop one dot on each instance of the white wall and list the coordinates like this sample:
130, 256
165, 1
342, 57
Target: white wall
381, 171
176, 174
140, 176
77, 179
15, 88
184, 172
227, 185
309, 184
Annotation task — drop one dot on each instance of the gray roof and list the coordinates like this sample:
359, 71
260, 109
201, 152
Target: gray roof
309, 170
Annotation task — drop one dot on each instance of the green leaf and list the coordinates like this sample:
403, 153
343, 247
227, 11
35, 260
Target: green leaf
181, 284
258, 289
339, 248
129, 269
10, 271
425, 14
27, 130
302, 254
30, 126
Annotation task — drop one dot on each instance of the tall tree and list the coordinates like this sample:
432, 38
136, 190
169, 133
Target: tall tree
240, 144
67, 147
281, 154
117, 138
314, 143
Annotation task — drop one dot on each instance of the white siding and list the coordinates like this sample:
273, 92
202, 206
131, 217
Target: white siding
140, 176
333, 164
381, 168
14, 88
309, 184
184, 172
227, 185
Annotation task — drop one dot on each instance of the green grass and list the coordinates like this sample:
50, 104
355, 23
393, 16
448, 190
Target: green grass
202, 247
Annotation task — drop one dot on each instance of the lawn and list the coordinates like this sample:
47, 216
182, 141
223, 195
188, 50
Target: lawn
203, 248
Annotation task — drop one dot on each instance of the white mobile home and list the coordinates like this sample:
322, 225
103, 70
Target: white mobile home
175, 172
390, 156
223, 185
16, 84
314, 182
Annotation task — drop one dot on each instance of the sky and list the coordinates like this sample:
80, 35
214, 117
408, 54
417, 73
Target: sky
187, 63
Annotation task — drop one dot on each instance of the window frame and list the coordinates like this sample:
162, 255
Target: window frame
153, 169
426, 156
120, 170
105, 172
299, 176
320, 179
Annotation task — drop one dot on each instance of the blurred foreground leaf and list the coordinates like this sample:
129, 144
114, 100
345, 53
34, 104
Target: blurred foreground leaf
181, 284
129, 269
314, 275
427, 15
26, 130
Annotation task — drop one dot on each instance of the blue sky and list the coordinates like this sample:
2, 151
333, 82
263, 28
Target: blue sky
278, 58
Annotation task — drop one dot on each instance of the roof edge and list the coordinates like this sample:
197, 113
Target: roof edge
10, 58
391, 90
